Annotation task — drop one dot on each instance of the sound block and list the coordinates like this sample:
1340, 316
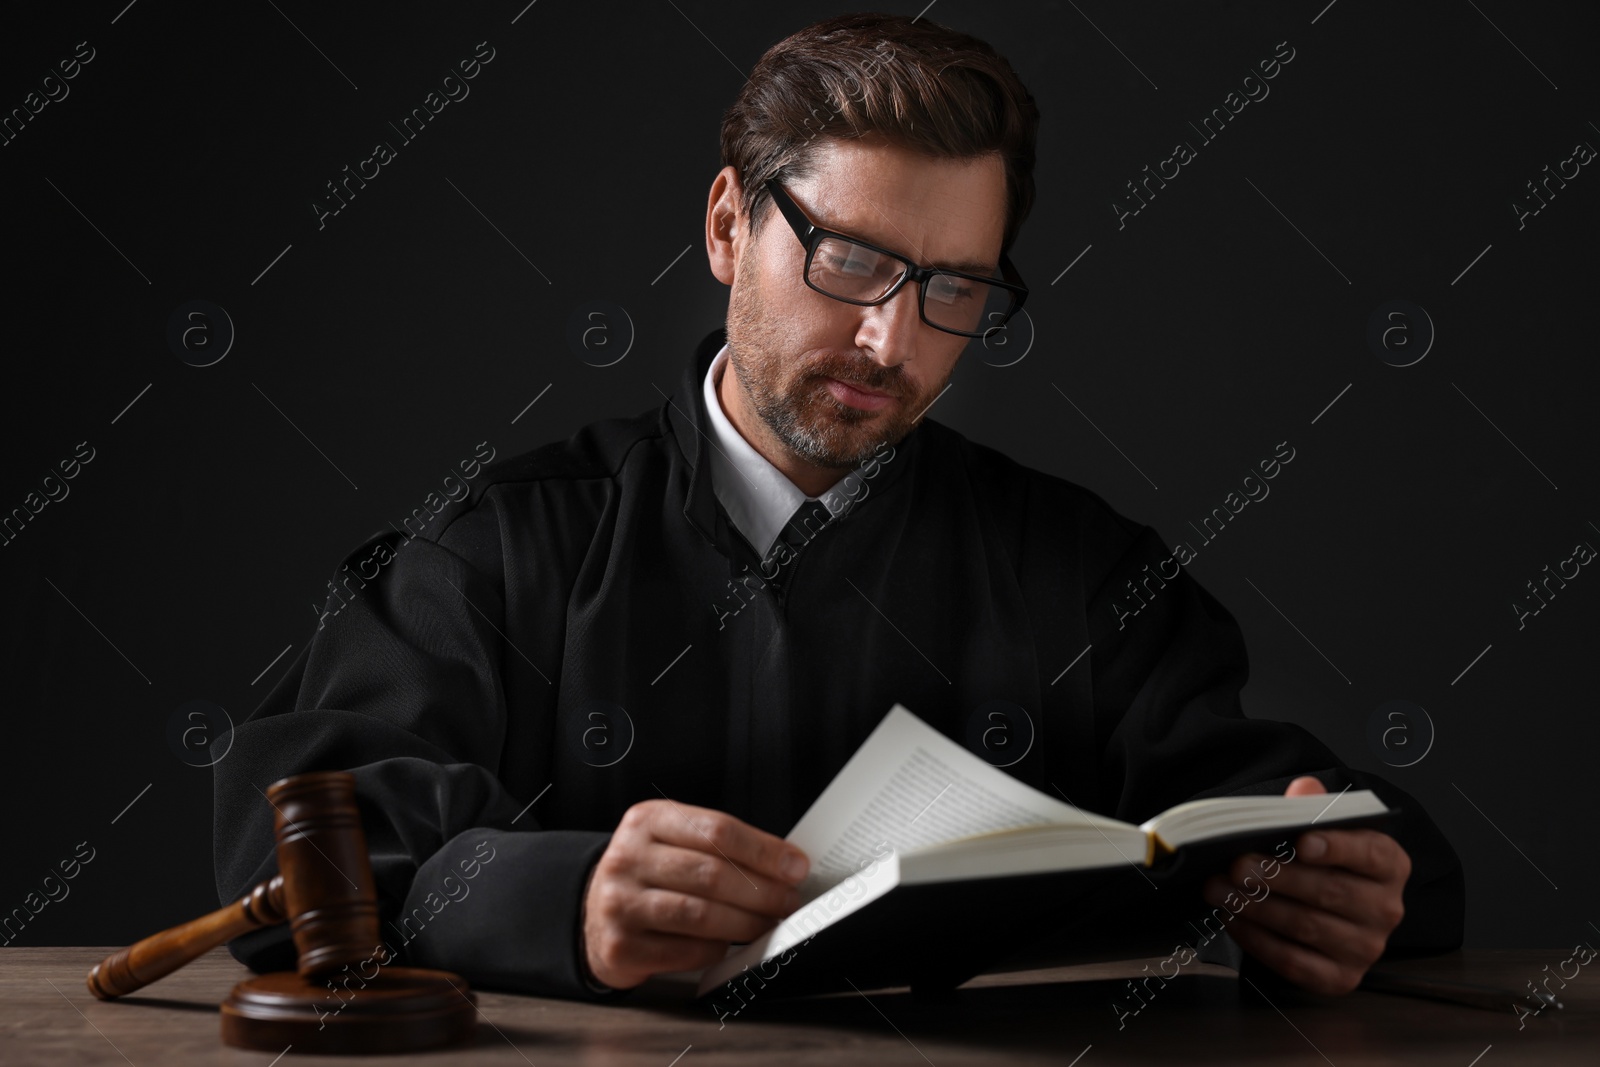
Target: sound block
399, 1010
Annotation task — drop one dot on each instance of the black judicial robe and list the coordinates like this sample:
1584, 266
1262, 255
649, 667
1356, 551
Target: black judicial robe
586, 630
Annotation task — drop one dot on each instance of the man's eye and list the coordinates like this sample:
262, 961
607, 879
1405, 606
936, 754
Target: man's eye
850, 265
953, 293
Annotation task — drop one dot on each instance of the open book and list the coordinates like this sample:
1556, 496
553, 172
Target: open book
914, 814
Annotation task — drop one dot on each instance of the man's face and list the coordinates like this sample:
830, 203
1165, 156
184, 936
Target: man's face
796, 352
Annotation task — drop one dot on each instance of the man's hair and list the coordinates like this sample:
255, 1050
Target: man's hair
915, 83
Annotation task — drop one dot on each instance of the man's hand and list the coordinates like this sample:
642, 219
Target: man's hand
676, 884
1329, 911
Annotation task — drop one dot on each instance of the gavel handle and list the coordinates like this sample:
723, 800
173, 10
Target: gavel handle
160, 954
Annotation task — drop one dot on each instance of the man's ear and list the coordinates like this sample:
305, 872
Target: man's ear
726, 229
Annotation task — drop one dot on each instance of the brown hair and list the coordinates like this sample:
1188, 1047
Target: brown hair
920, 85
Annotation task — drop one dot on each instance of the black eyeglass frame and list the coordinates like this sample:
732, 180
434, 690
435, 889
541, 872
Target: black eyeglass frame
811, 235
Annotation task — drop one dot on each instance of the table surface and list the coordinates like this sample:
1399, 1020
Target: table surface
1061, 1016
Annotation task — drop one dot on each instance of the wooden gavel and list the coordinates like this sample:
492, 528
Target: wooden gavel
324, 890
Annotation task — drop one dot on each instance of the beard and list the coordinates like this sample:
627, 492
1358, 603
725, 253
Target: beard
793, 400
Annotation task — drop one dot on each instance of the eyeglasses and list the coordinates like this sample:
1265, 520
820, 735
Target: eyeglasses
856, 272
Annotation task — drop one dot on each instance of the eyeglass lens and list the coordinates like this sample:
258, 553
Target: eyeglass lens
854, 272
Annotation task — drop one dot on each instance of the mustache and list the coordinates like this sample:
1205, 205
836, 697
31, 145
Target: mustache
887, 380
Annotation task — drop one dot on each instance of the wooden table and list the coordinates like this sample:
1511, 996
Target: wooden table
1060, 1016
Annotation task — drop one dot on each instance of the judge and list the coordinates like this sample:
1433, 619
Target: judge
622, 667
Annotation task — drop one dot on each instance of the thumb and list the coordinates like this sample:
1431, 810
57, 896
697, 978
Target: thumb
1304, 786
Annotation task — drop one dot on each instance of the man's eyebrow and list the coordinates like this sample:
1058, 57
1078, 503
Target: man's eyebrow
965, 266
969, 267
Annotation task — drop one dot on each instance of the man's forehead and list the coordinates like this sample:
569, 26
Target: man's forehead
949, 212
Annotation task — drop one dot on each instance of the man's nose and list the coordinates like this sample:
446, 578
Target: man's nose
891, 329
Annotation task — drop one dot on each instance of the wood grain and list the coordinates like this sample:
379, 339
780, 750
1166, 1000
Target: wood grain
1040, 1017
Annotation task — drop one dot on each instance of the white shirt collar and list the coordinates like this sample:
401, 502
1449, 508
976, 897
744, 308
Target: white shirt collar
758, 497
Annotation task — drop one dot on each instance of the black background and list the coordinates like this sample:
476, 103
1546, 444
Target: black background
1178, 350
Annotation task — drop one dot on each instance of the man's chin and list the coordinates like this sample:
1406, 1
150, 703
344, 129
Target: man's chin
832, 434
842, 455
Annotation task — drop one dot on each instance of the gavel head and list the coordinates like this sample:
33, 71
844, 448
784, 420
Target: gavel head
328, 892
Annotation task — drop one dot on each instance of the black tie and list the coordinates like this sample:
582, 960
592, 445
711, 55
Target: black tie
806, 522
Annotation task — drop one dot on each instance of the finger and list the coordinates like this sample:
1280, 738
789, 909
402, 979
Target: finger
1369, 852
741, 844
1334, 936
1304, 786
705, 874
1303, 966
670, 912
1344, 893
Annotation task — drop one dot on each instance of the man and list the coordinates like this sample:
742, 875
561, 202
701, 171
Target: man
613, 677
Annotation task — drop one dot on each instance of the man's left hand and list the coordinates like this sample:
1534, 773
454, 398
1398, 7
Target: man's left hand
1329, 910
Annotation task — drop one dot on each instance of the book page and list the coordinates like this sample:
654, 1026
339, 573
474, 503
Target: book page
909, 787
1196, 820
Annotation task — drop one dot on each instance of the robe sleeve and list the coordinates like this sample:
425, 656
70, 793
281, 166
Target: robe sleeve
1171, 728
402, 687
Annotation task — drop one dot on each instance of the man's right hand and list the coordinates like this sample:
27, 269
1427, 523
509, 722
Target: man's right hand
677, 884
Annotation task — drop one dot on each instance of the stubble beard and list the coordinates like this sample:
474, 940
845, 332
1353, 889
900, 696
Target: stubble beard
799, 410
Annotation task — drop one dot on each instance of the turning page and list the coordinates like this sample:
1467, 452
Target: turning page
910, 787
